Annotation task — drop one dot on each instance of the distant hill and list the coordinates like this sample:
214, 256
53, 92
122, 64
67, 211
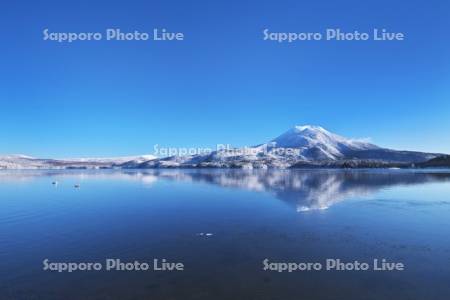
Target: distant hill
28, 162
442, 161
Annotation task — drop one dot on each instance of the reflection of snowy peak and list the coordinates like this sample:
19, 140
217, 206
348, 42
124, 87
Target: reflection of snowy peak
304, 190
316, 143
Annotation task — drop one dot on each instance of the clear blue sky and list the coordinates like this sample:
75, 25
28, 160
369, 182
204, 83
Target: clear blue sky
223, 83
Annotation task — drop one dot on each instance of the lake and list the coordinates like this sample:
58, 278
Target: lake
221, 225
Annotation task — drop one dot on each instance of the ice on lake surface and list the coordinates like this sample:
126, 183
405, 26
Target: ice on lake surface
221, 224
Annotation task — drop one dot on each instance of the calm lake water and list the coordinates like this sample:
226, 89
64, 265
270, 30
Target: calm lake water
285, 216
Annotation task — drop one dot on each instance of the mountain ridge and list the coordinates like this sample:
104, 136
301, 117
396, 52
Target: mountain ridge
312, 146
302, 146
20, 161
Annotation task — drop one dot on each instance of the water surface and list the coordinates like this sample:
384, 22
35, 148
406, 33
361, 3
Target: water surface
298, 216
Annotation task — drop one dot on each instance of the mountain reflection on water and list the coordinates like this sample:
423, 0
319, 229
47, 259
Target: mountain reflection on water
304, 189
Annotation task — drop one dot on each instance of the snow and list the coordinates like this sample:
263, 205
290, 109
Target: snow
117, 160
27, 162
315, 142
300, 144
12, 157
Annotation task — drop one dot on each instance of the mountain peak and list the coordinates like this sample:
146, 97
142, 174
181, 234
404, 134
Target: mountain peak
315, 142
308, 127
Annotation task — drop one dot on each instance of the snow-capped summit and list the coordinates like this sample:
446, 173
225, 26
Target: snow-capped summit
315, 142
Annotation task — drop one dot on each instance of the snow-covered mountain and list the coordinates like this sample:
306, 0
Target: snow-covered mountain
301, 147
20, 161
316, 143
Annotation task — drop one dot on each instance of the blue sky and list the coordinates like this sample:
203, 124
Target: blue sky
223, 83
